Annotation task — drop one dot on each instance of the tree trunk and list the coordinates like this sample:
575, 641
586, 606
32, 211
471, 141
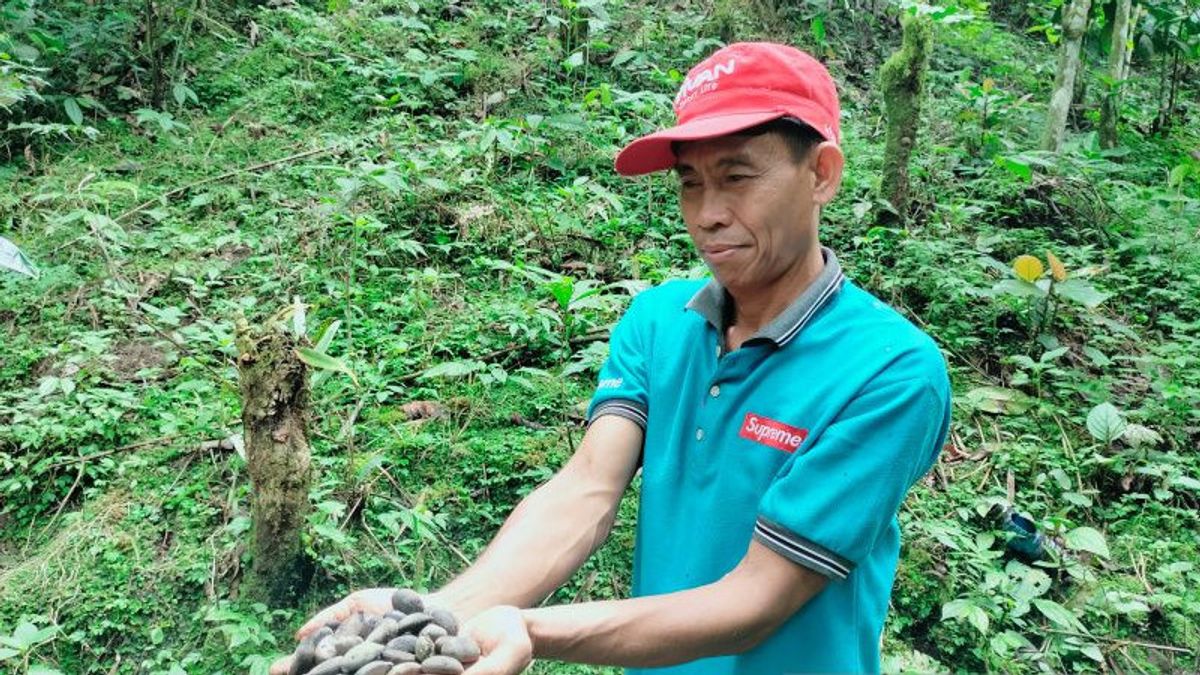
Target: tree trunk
1110, 110
1074, 24
903, 81
275, 407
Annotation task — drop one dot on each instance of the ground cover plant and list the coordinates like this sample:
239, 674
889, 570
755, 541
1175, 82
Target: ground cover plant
421, 193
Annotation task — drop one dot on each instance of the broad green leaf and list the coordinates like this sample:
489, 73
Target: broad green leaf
1105, 423
1019, 169
1186, 483
1082, 292
1097, 357
326, 338
322, 361
1053, 354
1087, 539
42, 669
11, 258
71, 106
1000, 401
6, 653
452, 369
1018, 287
1057, 614
1092, 652
1028, 268
965, 609
818, 28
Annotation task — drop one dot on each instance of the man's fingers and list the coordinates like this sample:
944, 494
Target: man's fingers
336, 612
281, 666
491, 664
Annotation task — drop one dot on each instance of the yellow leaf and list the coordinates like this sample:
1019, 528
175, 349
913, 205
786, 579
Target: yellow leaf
988, 84
1057, 269
1028, 268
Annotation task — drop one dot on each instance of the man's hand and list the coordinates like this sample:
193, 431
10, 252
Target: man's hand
504, 640
375, 601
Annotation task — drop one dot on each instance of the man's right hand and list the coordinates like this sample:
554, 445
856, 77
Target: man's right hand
377, 601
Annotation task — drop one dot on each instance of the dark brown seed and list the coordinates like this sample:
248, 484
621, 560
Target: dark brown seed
441, 665
459, 647
445, 619
318, 635
344, 643
362, 655
405, 643
433, 632
408, 601
397, 656
424, 649
385, 630
405, 669
303, 659
329, 667
413, 622
326, 649
375, 668
370, 621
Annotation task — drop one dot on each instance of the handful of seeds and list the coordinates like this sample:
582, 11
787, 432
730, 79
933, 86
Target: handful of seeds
409, 640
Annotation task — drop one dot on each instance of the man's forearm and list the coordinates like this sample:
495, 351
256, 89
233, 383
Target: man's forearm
726, 617
547, 537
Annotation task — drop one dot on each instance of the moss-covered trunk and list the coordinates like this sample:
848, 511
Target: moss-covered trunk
1074, 25
1110, 110
903, 81
275, 405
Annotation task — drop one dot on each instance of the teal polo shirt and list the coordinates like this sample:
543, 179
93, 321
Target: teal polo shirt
806, 439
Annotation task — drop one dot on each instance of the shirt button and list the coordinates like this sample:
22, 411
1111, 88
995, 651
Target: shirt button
714, 391
699, 434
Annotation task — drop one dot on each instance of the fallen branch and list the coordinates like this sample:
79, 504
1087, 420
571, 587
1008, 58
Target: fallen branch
1122, 641
229, 174
106, 453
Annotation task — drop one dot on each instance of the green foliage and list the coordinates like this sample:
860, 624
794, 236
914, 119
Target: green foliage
434, 181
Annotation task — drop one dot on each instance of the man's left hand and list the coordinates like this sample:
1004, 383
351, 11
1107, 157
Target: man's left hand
504, 640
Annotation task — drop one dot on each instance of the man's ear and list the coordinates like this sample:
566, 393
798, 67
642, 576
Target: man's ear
827, 163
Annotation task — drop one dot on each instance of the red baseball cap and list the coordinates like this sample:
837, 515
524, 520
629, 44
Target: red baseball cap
738, 87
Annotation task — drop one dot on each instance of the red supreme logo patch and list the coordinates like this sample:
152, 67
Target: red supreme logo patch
770, 432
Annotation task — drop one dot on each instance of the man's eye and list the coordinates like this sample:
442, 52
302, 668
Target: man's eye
738, 177
689, 184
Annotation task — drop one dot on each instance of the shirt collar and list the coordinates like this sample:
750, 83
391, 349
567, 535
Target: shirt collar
714, 304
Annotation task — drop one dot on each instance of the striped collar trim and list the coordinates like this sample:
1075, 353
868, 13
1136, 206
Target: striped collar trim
714, 304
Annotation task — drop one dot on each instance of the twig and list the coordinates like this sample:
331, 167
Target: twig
228, 174
106, 453
509, 348
1123, 652
1121, 641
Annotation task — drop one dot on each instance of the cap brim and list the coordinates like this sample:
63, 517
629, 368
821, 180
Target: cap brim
653, 152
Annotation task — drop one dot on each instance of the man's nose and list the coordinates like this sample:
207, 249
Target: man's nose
714, 210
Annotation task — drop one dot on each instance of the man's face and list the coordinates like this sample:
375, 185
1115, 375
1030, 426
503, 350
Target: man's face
749, 207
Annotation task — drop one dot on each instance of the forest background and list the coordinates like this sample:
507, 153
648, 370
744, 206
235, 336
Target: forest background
420, 194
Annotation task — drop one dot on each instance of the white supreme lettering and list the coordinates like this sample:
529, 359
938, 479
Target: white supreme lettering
772, 432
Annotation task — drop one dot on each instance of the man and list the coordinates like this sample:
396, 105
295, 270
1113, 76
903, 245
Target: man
779, 414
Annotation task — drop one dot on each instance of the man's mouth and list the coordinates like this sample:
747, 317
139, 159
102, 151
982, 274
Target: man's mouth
720, 252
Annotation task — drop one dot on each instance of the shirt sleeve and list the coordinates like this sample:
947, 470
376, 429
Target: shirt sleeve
830, 502
623, 386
